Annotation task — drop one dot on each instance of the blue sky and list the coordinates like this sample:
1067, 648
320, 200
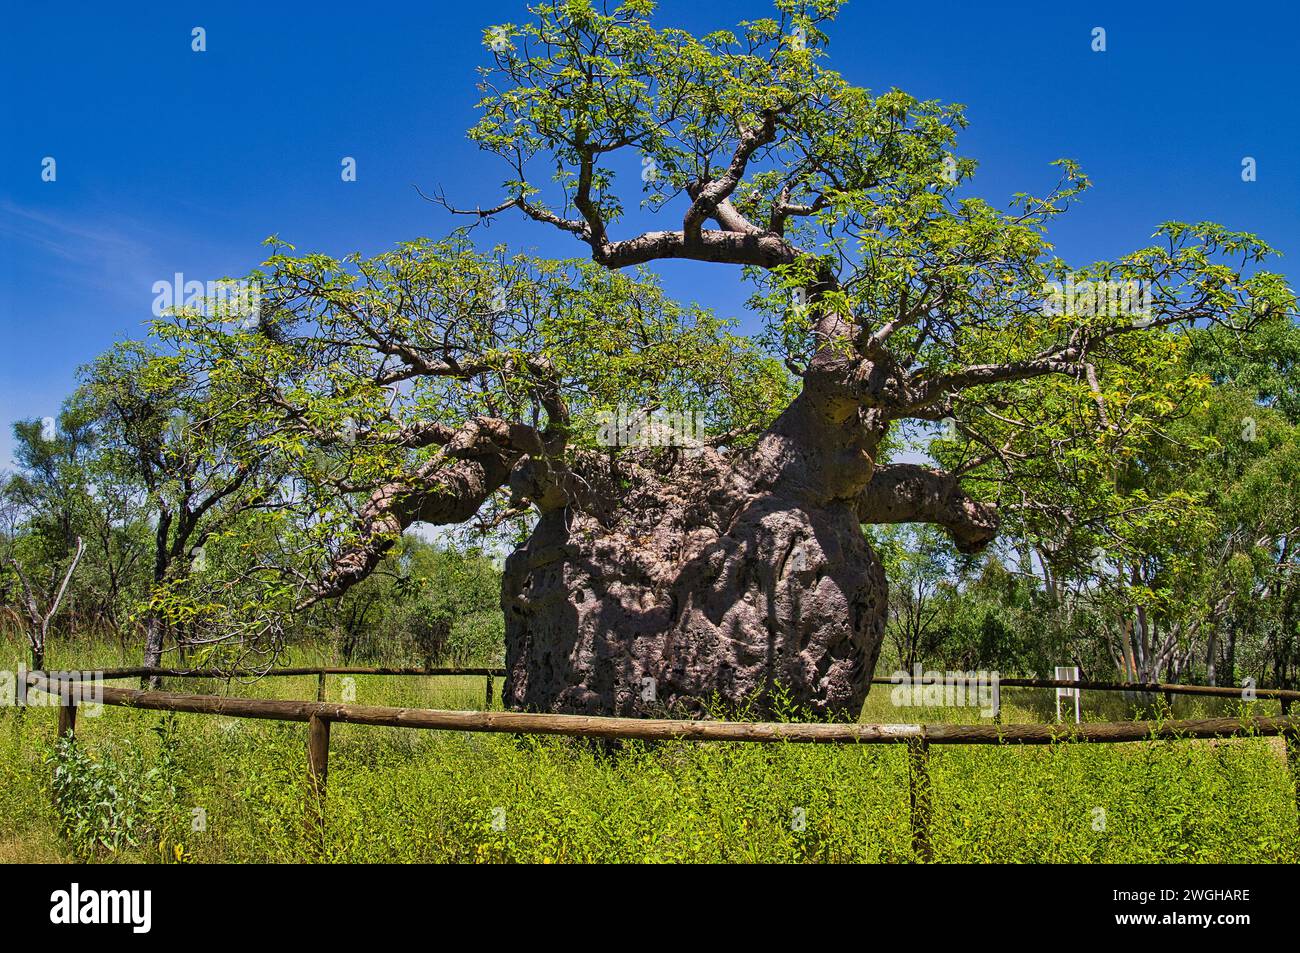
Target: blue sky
174, 161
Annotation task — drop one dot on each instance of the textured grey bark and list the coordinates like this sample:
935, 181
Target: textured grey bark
635, 618
713, 578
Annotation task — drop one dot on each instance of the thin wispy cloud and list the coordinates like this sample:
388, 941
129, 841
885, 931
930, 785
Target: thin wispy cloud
116, 256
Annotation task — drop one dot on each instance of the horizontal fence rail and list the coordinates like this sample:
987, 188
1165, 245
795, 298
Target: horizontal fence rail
114, 673
664, 729
1152, 688
319, 715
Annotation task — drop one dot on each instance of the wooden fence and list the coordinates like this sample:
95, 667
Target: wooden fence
1286, 696
320, 714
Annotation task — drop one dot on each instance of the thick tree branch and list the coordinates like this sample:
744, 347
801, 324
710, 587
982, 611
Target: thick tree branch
709, 195
448, 488
476, 459
909, 493
737, 243
724, 247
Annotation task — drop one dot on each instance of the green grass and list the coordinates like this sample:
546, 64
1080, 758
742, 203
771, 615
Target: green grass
409, 795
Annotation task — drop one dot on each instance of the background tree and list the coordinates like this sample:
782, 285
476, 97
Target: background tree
40, 609
163, 435
920, 569
46, 500
430, 604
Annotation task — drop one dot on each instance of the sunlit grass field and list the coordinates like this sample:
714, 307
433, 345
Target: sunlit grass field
154, 787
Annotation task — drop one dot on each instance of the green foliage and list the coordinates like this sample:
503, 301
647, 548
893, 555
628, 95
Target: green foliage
359, 369
116, 802
424, 605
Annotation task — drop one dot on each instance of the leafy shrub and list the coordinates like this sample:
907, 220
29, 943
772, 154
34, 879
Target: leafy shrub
114, 802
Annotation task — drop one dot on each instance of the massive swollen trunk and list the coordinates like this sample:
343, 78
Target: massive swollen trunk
725, 578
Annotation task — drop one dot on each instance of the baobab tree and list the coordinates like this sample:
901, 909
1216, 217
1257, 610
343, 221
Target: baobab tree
437, 384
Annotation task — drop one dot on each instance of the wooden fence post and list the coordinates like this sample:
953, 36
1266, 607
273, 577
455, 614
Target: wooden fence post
318, 757
918, 785
67, 721
67, 708
489, 691
1291, 741
320, 686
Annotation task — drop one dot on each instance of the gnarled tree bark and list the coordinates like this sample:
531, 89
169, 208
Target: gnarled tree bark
734, 579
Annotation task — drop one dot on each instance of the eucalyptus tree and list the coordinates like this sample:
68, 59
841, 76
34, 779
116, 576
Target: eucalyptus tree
49, 485
45, 503
436, 384
165, 455
1183, 545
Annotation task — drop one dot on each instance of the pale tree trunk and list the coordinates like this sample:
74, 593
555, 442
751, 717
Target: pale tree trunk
1212, 657
153, 649
1128, 657
39, 619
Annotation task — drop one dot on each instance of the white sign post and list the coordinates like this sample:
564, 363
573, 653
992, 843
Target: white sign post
1068, 673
